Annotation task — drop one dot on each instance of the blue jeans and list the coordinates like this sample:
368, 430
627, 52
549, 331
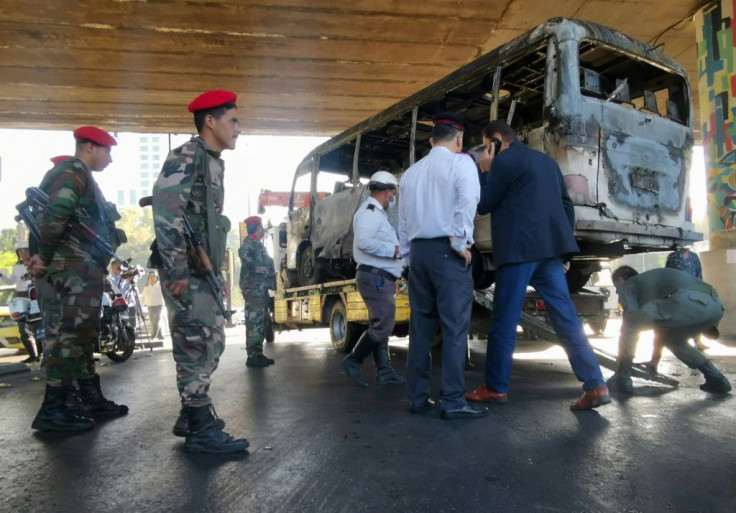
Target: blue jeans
548, 279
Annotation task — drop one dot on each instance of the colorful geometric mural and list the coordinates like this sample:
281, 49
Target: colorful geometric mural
716, 40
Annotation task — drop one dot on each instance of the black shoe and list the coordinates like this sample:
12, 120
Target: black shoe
385, 375
99, 406
715, 382
269, 360
258, 360
466, 412
30, 359
54, 415
427, 407
204, 437
181, 427
352, 369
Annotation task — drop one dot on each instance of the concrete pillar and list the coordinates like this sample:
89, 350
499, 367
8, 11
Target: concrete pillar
716, 42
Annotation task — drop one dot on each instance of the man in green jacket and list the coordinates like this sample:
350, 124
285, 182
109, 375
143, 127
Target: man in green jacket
677, 306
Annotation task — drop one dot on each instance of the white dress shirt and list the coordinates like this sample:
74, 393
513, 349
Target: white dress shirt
374, 240
439, 197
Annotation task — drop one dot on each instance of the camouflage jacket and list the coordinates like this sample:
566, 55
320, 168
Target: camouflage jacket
253, 254
181, 188
73, 194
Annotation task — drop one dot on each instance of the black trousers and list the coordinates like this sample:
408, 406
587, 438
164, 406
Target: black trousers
440, 296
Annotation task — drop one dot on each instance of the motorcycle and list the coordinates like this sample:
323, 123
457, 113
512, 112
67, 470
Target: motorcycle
117, 336
25, 309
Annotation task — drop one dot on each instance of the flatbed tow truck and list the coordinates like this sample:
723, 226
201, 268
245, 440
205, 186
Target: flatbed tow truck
339, 306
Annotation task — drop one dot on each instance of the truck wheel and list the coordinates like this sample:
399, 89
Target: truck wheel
309, 271
343, 334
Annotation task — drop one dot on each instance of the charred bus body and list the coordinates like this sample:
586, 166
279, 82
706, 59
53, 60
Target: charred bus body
615, 114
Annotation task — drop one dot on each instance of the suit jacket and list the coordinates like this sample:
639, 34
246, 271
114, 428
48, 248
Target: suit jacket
532, 216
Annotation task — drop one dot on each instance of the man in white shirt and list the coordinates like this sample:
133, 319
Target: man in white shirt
153, 298
376, 251
439, 196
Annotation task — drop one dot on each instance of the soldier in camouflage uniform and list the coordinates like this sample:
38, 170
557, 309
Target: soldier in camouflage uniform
48, 299
191, 183
75, 270
257, 277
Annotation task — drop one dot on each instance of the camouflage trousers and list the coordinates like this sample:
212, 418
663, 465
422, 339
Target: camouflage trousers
49, 302
257, 320
73, 312
198, 338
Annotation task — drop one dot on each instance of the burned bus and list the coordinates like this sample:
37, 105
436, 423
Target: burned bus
615, 113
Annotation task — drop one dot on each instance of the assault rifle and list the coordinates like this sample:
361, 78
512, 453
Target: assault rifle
36, 198
199, 258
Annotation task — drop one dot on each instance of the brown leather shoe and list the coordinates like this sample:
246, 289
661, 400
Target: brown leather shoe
483, 394
592, 399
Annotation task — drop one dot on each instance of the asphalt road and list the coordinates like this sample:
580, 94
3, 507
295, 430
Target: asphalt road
321, 444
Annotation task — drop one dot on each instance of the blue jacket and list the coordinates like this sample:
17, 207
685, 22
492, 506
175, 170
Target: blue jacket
532, 216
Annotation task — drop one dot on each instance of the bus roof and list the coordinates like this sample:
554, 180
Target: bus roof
564, 28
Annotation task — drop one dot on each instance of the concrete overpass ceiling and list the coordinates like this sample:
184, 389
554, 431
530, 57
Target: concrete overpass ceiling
299, 66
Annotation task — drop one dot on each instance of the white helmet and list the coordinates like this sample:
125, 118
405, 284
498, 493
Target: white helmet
382, 180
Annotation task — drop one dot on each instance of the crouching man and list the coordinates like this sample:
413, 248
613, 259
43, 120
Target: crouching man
677, 306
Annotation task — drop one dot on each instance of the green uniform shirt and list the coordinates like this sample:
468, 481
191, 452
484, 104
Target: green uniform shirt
73, 194
182, 187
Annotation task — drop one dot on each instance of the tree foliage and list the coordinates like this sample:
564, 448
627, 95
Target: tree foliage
138, 226
7, 249
7, 240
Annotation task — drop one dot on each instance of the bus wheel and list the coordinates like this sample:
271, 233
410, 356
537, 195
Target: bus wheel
308, 270
343, 334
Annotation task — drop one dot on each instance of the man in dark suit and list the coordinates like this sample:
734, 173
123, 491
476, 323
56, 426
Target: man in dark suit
532, 222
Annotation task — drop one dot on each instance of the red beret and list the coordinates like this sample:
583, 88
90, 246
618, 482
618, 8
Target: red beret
212, 99
60, 158
95, 135
253, 220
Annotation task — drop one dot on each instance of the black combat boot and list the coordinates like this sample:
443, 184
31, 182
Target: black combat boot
181, 428
715, 382
259, 360
99, 406
621, 379
352, 362
54, 416
204, 436
28, 346
75, 404
385, 375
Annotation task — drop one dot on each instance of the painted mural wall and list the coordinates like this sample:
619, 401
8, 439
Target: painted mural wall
716, 42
